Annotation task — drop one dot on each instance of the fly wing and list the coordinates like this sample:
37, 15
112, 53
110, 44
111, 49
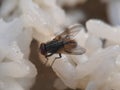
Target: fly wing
70, 32
76, 51
75, 29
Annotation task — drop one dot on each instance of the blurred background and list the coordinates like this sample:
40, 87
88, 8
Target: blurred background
46, 77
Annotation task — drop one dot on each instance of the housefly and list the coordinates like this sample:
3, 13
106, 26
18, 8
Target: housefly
64, 43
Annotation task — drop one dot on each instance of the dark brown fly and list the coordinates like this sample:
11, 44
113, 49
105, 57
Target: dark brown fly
63, 43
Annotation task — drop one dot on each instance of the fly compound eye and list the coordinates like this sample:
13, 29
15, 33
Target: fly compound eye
42, 49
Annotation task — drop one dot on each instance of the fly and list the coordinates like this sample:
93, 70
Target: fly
63, 44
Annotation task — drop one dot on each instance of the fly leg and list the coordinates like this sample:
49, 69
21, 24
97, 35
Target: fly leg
56, 58
46, 56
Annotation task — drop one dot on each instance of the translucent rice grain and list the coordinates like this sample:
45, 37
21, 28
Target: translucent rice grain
8, 83
10, 69
37, 18
69, 77
96, 60
93, 44
102, 30
11, 5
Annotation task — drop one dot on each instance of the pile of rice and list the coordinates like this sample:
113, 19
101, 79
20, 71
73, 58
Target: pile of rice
23, 20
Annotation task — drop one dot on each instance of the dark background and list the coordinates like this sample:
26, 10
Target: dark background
46, 77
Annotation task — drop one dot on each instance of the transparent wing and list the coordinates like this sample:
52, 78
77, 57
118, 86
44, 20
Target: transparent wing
76, 51
71, 31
